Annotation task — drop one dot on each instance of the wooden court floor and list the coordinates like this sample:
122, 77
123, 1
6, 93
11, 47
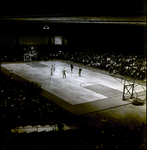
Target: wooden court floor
93, 91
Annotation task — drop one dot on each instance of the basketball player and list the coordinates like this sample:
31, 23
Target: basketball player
52, 69
71, 66
80, 70
64, 72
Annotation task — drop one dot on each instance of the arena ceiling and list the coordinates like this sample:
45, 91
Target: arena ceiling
103, 19
72, 16
141, 20
100, 12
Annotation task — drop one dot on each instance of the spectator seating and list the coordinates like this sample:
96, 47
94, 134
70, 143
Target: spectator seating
130, 65
19, 108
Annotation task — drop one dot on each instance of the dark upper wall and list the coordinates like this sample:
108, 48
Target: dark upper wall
118, 38
106, 37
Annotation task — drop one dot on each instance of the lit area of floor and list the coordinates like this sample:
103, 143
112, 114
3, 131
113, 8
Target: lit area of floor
93, 91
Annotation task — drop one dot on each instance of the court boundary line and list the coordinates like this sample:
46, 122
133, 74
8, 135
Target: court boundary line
72, 107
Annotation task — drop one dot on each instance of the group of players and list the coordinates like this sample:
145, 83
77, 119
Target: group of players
64, 70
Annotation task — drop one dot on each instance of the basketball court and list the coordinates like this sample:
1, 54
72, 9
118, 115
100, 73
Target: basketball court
93, 91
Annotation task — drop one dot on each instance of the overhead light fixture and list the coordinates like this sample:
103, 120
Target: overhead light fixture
46, 27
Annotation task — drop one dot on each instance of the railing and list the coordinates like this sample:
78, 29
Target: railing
38, 128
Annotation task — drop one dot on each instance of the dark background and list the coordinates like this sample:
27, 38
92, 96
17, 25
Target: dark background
87, 8
124, 38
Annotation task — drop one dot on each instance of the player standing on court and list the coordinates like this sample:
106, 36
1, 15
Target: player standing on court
52, 69
71, 66
64, 72
80, 70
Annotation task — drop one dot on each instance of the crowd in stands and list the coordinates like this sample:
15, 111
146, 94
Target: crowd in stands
86, 138
130, 65
20, 105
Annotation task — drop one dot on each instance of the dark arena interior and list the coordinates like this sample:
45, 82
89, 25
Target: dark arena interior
73, 76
